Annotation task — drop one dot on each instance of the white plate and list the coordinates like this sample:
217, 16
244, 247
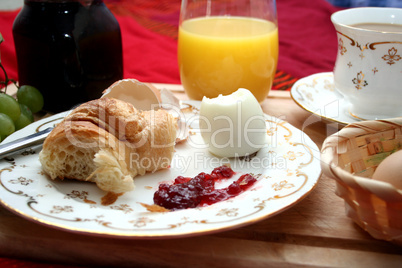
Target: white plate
316, 94
287, 171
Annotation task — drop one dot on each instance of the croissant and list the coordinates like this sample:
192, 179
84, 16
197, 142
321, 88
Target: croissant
109, 142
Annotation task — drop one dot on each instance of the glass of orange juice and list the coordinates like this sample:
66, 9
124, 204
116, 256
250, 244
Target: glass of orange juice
225, 45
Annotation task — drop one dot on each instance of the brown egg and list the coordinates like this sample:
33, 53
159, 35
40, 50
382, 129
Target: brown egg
390, 170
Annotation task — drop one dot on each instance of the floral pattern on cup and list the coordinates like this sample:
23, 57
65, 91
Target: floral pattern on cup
359, 81
391, 58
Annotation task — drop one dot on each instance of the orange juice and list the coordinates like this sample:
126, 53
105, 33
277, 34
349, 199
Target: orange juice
218, 55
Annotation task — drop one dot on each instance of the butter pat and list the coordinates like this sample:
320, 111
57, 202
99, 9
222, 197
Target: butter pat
233, 125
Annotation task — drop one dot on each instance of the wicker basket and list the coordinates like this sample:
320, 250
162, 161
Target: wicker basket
351, 157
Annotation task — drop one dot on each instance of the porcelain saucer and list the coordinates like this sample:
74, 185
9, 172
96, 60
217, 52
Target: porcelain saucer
316, 94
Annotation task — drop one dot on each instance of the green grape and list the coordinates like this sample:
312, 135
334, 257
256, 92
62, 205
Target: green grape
6, 126
9, 106
25, 118
31, 97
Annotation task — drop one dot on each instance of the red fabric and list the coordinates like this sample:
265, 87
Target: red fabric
307, 38
308, 45
149, 28
148, 56
7, 51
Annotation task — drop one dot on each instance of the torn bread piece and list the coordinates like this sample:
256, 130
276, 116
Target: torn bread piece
109, 142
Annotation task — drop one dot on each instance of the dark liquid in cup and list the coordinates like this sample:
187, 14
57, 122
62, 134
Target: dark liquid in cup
70, 52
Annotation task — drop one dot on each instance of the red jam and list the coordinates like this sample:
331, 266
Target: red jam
200, 191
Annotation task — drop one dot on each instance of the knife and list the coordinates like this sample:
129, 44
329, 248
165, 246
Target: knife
20, 144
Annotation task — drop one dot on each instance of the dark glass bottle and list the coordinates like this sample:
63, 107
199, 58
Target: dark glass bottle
70, 50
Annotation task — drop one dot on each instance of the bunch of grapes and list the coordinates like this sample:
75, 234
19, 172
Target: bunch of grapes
17, 113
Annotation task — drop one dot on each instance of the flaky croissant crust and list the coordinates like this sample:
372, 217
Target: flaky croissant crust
109, 142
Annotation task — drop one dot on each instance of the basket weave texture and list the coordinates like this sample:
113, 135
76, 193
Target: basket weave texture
350, 157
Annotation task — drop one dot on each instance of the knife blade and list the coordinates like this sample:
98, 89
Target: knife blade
12, 147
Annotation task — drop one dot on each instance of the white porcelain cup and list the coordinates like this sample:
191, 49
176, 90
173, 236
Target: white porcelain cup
368, 67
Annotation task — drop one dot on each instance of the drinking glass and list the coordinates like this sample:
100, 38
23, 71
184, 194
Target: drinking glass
225, 45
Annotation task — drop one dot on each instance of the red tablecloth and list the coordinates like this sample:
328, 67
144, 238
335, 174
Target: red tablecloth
308, 45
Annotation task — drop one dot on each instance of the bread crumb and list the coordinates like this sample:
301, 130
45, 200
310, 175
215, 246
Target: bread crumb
110, 198
154, 208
